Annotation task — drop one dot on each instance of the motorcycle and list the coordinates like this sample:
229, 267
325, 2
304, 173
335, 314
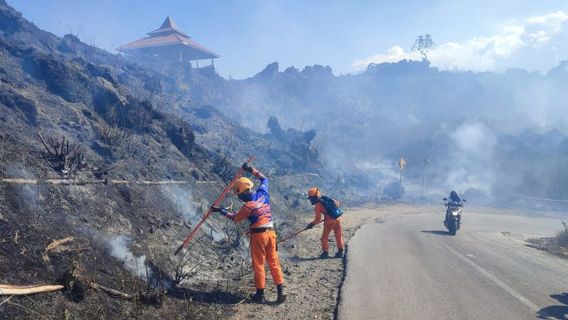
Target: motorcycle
453, 215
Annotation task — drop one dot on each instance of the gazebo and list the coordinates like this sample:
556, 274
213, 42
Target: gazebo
170, 44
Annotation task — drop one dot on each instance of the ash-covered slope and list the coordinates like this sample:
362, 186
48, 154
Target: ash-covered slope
100, 185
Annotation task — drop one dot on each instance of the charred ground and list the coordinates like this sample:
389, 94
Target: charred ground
100, 183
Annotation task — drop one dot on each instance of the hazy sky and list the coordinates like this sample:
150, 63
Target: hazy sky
474, 35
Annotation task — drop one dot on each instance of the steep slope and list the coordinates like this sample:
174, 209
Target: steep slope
100, 185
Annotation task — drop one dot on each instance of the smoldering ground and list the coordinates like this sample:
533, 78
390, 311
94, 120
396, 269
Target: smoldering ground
486, 133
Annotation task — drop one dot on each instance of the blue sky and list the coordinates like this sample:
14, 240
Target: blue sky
347, 35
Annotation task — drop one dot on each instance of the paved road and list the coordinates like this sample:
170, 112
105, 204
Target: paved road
406, 267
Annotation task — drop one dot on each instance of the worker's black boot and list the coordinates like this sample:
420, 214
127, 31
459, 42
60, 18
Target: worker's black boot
281, 295
324, 255
258, 297
339, 254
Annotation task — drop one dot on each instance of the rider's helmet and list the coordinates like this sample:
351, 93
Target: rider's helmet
454, 197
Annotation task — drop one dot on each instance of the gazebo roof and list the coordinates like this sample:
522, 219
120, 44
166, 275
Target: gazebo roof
169, 35
168, 26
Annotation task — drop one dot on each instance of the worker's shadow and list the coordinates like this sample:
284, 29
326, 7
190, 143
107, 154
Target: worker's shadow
559, 311
437, 232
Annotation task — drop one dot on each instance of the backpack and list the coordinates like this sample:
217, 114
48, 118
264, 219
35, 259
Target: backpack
331, 207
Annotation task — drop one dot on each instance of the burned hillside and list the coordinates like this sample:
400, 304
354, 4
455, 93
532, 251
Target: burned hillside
100, 182
469, 127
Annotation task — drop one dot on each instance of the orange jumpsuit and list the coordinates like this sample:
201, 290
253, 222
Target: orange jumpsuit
262, 244
329, 224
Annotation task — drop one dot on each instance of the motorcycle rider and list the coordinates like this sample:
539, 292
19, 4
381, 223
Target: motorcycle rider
453, 198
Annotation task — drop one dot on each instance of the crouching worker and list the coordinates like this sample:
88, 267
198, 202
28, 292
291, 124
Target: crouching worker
331, 211
256, 209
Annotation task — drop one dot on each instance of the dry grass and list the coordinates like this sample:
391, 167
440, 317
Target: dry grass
562, 236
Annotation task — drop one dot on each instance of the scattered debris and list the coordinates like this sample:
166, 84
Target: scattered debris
8, 290
557, 245
112, 292
56, 246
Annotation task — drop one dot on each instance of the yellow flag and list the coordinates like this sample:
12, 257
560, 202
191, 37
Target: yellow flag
402, 163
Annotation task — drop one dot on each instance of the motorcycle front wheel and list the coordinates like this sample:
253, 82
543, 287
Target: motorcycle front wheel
452, 227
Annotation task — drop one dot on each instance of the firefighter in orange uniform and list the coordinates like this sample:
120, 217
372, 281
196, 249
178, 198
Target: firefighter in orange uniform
256, 209
329, 223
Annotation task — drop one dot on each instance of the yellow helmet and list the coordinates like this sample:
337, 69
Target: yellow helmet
314, 192
242, 184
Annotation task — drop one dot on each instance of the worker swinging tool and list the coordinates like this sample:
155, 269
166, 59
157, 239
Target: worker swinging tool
256, 209
215, 204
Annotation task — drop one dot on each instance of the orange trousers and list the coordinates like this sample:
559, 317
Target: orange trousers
262, 250
328, 226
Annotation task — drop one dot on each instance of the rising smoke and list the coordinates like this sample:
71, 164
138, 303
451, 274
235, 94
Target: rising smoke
182, 200
478, 131
137, 265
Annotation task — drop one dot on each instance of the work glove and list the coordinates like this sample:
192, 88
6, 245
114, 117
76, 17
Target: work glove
246, 167
310, 226
221, 210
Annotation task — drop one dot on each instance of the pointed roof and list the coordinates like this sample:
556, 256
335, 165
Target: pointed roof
168, 23
168, 26
169, 35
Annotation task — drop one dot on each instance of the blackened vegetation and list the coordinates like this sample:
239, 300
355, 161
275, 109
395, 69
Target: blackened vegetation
98, 286
203, 112
173, 270
182, 137
12, 99
274, 126
222, 166
236, 264
562, 236
557, 245
298, 154
93, 123
113, 136
137, 115
63, 157
59, 77
7, 143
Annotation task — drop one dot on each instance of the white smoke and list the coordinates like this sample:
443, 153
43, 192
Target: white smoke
471, 158
137, 265
29, 193
182, 199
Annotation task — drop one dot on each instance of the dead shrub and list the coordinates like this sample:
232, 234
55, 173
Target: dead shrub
111, 135
64, 157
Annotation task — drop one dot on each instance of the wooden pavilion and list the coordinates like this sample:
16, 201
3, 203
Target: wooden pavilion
170, 44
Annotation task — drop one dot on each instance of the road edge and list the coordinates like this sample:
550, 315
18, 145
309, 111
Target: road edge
344, 272
340, 287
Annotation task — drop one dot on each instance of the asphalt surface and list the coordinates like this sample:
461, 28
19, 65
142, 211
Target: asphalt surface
407, 267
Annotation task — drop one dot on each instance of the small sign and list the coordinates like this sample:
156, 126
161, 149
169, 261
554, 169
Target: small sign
401, 163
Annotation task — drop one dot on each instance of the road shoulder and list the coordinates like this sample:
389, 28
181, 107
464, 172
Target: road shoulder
313, 284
